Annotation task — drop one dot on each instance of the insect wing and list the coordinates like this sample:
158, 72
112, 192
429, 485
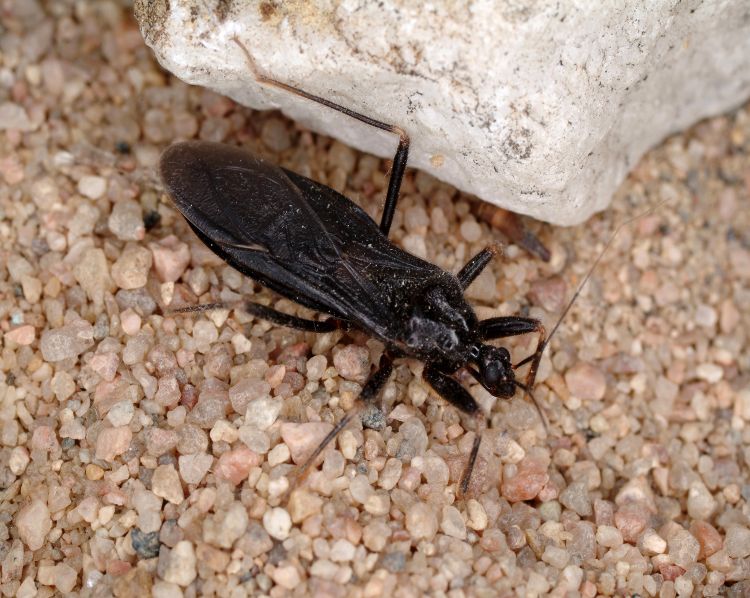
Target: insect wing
299, 238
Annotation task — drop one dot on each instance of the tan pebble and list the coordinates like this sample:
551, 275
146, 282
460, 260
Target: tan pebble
23, 335
180, 567
586, 381
112, 442
303, 504
165, 483
19, 460
421, 521
33, 524
61, 576
286, 576
94, 472
170, 258
302, 439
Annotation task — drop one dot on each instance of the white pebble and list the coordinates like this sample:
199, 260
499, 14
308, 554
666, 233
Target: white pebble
278, 523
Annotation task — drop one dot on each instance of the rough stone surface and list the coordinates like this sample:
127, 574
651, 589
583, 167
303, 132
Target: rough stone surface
540, 107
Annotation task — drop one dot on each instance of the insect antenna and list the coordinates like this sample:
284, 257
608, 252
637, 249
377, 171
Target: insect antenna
542, 414
593, 267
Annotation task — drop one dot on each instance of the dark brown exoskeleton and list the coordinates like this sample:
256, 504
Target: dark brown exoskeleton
313, 245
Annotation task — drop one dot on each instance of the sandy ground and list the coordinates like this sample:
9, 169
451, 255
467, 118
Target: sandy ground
146, 451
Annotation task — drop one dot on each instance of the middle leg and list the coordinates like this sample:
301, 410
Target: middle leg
370, 392
458, 396
402, 152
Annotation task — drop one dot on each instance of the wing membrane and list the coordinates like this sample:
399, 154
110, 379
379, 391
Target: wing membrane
299, 238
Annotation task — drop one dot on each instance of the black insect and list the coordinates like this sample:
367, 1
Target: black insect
313, 245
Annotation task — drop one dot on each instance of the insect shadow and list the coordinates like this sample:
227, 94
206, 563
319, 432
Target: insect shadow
311, 244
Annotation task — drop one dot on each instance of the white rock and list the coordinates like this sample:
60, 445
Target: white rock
540, 107
180, 568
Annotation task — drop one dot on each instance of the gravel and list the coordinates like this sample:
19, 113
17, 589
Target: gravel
147, 452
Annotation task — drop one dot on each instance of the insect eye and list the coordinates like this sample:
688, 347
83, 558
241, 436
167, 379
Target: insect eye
474, 352
448, 341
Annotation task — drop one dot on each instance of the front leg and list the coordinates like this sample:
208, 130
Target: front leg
457, 395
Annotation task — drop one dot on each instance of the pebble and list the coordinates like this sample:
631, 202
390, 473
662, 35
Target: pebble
67, 341
527, 483
586, 382
112, 442
13, 116
390, 474
121, 414
146, 546
166, 484
171, 257
470, 231
421, 521
683, 548
92, 273
126, 221
478, 519
576, 498
165, 589
653, 543
105, 364
63, 385
278, 523
737, 542
287, 576
93, 187
33, 523
352, 362
131, 269
549, 293
235, 465
22, 335
249, 392
412, 438
342, 551
631, 522
710, 372
226, 527
181, 564
193, 468
61, 576
452, 524
700, 503
304, 504
708, 537
315, 367
19, 460
608, 536
278, 455
303, 439
557, 557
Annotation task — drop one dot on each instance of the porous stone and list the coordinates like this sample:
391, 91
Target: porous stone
539, 107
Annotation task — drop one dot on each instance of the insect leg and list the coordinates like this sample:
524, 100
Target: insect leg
270, 314
458, 396
370, 391
282, 319
402, 152
513, 326
475, 265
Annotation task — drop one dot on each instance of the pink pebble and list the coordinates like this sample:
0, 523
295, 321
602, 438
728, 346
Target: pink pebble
236, 464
